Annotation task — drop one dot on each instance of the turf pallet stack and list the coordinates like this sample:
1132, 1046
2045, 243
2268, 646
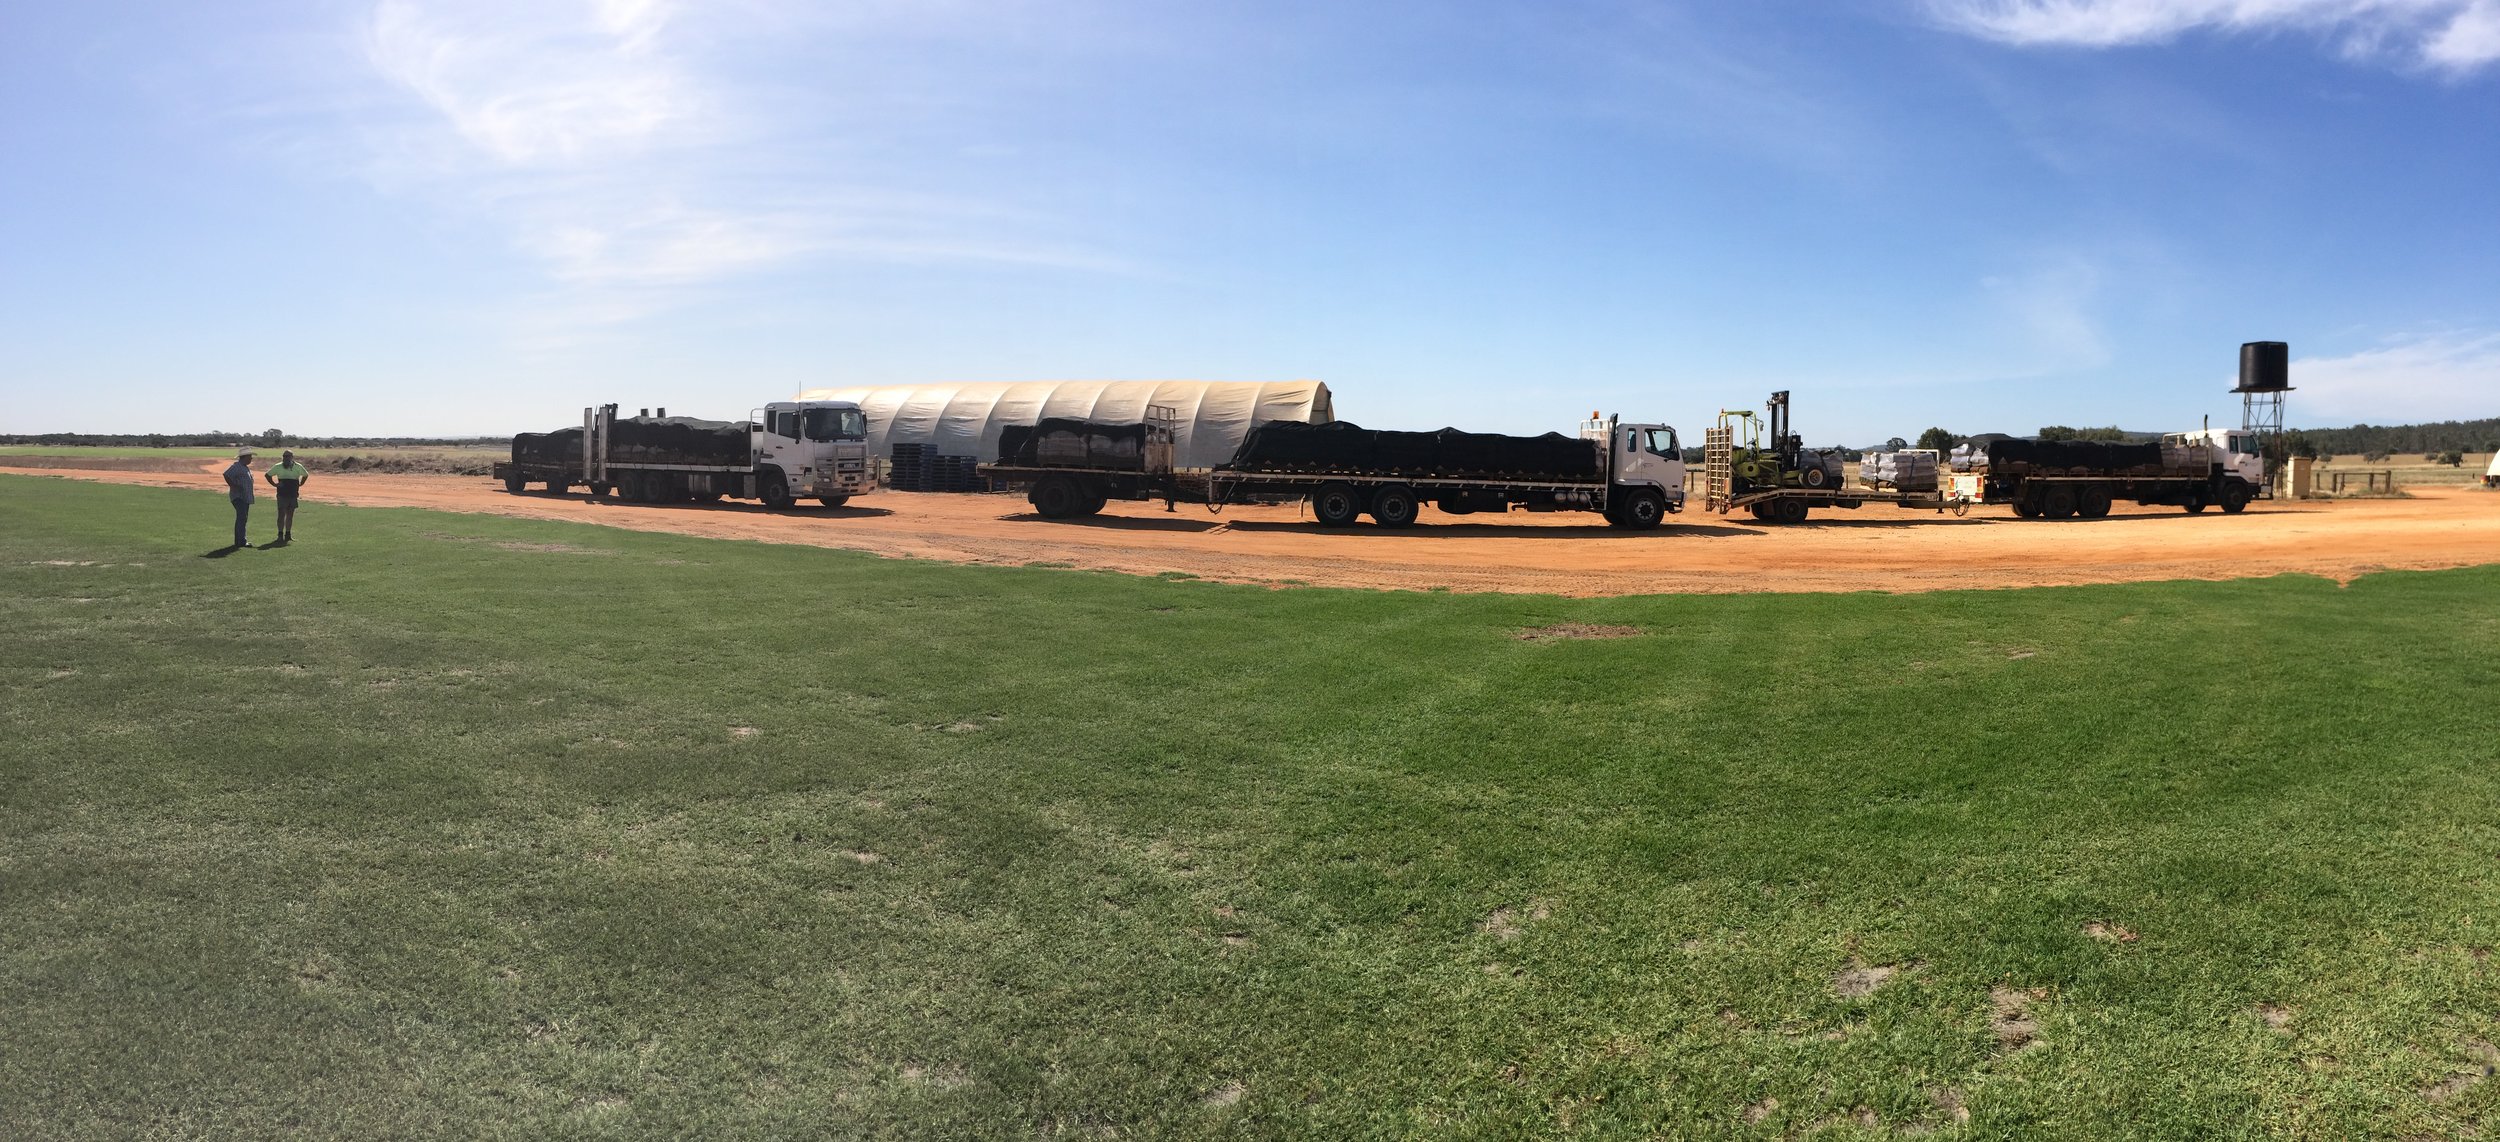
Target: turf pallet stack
1910, 471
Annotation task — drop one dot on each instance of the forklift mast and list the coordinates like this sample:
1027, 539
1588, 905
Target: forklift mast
1784, 445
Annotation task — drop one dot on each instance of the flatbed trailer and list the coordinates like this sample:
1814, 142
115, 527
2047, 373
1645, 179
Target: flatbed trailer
1639, 484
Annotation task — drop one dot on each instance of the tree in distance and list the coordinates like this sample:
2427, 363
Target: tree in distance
2112, 434
1938, 439
1895, 444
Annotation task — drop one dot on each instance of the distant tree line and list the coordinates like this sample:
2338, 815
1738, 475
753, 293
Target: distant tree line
2383, 441
266, 438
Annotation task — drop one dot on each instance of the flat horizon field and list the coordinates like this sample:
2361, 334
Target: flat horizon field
453, 825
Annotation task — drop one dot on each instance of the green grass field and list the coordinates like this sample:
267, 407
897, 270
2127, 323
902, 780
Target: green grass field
456, 826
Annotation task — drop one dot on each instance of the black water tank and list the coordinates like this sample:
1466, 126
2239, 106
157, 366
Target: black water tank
2265, 367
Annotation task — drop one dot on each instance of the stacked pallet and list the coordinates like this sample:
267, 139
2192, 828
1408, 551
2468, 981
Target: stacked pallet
955, 474
920, 468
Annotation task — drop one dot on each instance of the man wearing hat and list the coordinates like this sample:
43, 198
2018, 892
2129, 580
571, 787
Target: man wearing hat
239, 490
288, 477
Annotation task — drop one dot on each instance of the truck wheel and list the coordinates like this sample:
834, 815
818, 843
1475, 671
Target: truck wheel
1057, 497
2194, 503
833, 501
1814, 477
1640, 510
2059, 503
1336, 505
1394, 506
515, 485
1790, 511
1760, 512
556, 487
774, 491
2093, 504
2235, 498
2027, 509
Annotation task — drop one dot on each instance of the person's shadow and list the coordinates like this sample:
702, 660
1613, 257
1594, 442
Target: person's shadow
275, 543
225, 551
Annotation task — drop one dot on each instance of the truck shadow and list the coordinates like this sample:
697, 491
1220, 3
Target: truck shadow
1425, 529
738, 507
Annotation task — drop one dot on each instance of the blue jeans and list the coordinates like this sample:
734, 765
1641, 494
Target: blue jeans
242, 512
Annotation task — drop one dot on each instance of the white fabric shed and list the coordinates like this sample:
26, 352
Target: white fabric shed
964, 419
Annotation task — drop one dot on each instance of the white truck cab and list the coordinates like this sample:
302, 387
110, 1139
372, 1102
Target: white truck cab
2237, 450
1641, 456
819, 448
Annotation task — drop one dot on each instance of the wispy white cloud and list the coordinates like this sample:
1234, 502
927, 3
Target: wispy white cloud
2054, 305
537, 85
2441, 376
2455, 36
624, 149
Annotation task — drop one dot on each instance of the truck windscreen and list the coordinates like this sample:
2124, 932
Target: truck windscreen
836, 424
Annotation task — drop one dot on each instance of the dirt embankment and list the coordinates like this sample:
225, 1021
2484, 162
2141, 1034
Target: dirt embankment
1567, 554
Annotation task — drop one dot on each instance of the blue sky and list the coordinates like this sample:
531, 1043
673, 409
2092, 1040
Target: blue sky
439, 216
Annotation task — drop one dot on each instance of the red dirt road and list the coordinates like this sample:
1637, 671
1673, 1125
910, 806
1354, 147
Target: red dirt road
1563, 554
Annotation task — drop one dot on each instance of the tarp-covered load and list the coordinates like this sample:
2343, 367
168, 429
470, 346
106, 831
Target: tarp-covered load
1062, 442
646, 440
2062, 457
1285, 446
561, 447
681, 440
968, 419
1913, 470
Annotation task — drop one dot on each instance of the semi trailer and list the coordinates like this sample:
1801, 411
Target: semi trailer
1632, 474
784, 452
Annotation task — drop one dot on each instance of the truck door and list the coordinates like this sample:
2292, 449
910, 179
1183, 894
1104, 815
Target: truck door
1650, 454
777, 439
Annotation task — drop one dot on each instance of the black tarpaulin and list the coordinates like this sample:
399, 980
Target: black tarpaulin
1290, 446
1063, 442
2073, 457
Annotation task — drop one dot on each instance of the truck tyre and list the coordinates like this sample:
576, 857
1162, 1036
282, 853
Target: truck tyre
2027, 509
1395, 506
1760, 512
1057, 497
774, 491
2235, 498
2195, 502
2058, 503
833, 501
1814, 477
1094, 501
557, 486
515, 484
2093, 503
1639, 510
1789, 511
1336, 505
